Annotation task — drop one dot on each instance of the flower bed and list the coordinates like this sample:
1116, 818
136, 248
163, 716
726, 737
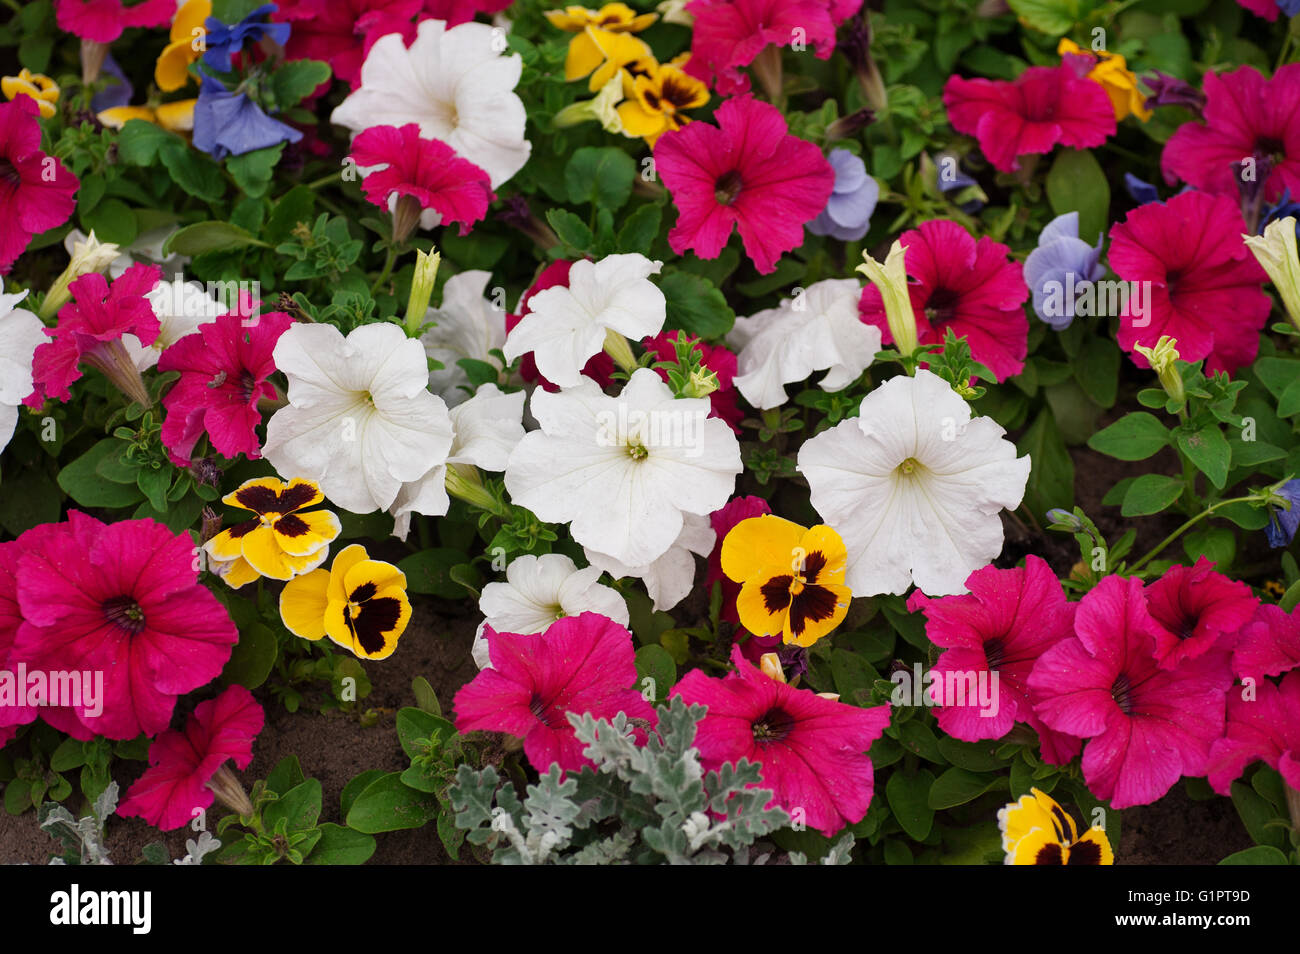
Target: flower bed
725, 431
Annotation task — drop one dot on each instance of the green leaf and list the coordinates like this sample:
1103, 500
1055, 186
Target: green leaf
138, 142
81, 481
1258, 855
972, 756
1255, 814
253, 170
413, 724
1150, 493
193, 171
208, 237
425, 697
286, 775
341, 846
1097, 370
112, 220
909, 800
387, 804
570, 229
957, 786
1216, 544
299, 807
1051, 475
154, 483
602, 176
640, 229
294, 207
1076, 183
296, 80
355, 786
1208, 449
1134, 436
656, 664
253, 657
695, 306
1053, 17
428, 572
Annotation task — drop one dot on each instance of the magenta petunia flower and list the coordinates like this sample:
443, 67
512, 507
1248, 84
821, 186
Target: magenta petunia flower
1006, 622
967, 285
104, 20
1144, 726
224, 370
11, 716
813, 750
715, 358
1264, 727
444, 187
329, 30
1269, 644
122, 599
747, 172
723, 520
580, 664
455, 12
1198, 610
729, 34
90, 331
599, 367
1045, 106
1205, 286
36, 190
1246, 117
182, 763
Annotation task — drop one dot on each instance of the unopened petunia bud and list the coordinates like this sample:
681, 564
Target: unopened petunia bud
891, 278
426, 273
770, 664
1163, 359
1275, 250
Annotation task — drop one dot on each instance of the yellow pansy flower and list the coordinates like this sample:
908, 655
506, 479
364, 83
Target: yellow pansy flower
1112, 72
171, 72
360, 604
792, 578
653, 102
36, 85
281, 541
602, 54
615, 17
1037, 831
174, 117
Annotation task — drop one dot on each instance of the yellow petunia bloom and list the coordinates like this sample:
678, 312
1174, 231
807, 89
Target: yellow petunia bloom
1119, 82
36, 85
186, 45
653, 103
281, 542
792, 578
360, 604
1037, 831
174, 117
602, 54
614, 17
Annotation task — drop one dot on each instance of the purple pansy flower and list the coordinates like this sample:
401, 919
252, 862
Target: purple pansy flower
231, 124
223, 40
966, 191
1282, 524
1141, 191
1061, 266
847, 215
116, 93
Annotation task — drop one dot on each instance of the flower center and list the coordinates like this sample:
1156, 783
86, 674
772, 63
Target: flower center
995, 651
1274, 149
909, 467
636, 450
541, 710
941, 305
727, 187
1121, 691
246, 384
774, 725
125, 613
8, 173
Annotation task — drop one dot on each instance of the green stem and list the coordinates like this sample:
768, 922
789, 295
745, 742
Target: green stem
388, 270
1286, 51
1187, 526
324, 181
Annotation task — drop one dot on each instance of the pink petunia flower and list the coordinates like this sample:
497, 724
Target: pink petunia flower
1144, 726
723, 520
716, 358
1205, 286
104, 20
1006, 622
36, 190
90, 331
455, 12
420, 178
967, 285
329, 30
1198, 610
1045, 106
1264, 727
747, 172
181, 764
11, 617
813, 751
1269, 644
599, 367
1246, 117
124, 600
729, 34
580, 664
224, 373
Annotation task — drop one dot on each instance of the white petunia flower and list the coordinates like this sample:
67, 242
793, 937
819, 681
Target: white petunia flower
670, 578
181, 308
468, 326
623, 471
360, 421
20, 334
567, 325
485, 429
914, 486
818, 330
455, 84
537, 592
